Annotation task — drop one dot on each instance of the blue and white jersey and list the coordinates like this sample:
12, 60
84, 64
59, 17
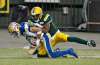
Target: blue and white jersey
25, 29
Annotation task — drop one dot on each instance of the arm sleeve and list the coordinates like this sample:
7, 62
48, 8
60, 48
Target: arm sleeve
47, 19
30, 23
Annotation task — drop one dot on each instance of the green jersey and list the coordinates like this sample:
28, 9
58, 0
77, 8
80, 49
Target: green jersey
45, 19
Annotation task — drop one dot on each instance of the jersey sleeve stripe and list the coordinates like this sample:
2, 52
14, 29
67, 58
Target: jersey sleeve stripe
46, 17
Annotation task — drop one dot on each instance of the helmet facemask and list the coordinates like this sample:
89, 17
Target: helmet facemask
37, 17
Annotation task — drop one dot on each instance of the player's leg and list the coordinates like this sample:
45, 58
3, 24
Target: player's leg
58, 37
82, 41
54, 54
42, 50
62, 37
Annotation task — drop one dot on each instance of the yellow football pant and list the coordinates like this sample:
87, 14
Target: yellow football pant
58, 37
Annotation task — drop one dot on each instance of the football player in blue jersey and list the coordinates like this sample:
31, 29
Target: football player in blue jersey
24, 29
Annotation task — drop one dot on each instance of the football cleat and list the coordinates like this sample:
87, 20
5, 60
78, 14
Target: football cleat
91, 43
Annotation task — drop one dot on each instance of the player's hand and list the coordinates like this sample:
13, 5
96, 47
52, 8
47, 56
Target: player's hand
45, 28
35, 29
39, 34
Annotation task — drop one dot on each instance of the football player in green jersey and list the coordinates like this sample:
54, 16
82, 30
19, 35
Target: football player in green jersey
44, 20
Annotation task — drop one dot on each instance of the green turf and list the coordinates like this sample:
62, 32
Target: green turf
15, 56
49, 61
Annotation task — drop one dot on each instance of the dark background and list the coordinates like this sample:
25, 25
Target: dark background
65, 22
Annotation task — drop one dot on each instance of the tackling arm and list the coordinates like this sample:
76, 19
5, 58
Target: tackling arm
46, 28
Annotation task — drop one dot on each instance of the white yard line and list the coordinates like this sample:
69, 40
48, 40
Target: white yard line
25, 57
89, 56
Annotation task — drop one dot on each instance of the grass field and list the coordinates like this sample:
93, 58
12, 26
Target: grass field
18, 56
12, 54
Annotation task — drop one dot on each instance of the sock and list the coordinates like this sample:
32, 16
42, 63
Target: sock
78, 40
